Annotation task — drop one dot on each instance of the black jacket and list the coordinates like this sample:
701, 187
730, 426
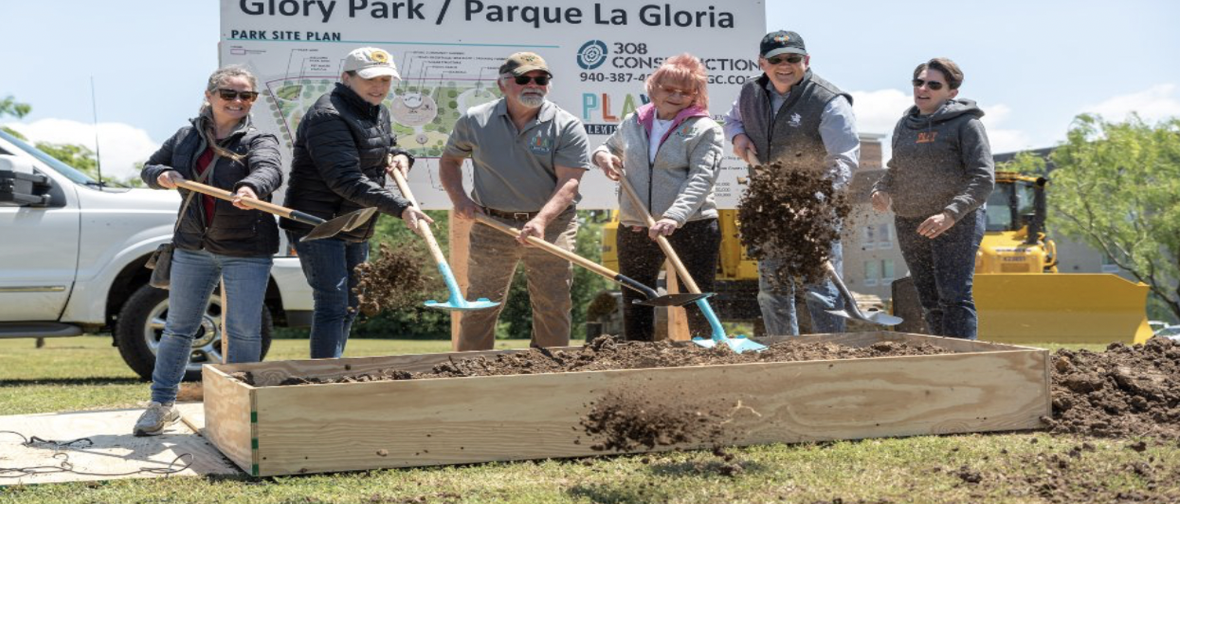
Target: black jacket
233, 232
340, 161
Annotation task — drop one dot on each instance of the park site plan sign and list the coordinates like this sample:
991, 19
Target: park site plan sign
448, 53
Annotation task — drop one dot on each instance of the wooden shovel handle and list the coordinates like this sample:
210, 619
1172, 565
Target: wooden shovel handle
550, 248
221, 193
664, 245
424, 228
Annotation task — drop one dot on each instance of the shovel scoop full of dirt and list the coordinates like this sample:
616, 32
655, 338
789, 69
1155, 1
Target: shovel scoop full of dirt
397, 278
791, 213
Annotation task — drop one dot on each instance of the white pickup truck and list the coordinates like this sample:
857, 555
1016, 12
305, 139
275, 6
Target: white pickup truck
72, 255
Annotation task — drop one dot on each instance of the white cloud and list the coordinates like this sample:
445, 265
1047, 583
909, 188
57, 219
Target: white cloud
1008, 140
122, 145
996, 114
878, 111
1155, 103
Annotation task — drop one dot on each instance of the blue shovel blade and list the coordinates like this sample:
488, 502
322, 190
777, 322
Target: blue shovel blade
738, 344
480, 304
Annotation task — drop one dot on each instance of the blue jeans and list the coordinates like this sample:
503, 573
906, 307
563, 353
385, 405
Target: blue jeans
193, 277
942, 270
778, 298
329, 267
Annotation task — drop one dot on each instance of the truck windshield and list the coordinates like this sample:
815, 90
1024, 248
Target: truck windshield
65, 170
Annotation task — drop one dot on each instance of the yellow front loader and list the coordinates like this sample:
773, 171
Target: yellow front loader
1021, 296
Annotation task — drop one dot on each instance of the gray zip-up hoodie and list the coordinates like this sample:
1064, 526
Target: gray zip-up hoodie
939, 162
680, 183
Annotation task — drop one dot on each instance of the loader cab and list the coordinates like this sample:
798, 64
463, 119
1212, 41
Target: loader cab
1016, 201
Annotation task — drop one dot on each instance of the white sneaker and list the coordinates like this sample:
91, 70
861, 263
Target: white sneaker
155, 418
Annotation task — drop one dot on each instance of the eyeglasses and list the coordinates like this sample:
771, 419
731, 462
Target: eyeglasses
541, 80
674, 91
792, 59
934, 85
231, 95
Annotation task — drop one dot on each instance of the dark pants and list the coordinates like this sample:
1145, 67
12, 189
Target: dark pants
696, 244
329, 266
942, 270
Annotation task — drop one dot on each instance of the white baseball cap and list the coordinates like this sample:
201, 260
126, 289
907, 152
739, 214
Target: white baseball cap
370, 62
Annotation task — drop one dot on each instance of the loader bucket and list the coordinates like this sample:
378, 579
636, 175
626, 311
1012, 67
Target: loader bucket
1061, 308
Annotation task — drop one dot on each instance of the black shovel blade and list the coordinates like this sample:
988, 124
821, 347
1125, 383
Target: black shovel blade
678, 299
349, 221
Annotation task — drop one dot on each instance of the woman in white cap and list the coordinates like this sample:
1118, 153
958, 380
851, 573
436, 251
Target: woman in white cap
344, 147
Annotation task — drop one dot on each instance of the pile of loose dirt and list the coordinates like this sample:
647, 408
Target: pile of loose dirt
619, 422
395, 280
608, 353
1124, 391
792, 214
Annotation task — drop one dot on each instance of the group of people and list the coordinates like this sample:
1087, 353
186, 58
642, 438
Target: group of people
529, 157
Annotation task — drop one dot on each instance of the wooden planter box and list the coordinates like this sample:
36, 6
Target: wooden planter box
269, 431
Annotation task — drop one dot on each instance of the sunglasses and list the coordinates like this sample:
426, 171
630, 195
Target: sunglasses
792, 59
934, 85
675, 91
230, 95
539, 80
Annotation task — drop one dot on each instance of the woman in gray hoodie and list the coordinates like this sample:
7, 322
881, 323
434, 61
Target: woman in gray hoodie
671, 151
937, 183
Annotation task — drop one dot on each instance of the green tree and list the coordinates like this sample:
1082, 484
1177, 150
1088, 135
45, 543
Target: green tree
84, 160
1117, 187
10, 106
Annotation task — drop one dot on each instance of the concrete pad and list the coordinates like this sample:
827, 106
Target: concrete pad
111, 451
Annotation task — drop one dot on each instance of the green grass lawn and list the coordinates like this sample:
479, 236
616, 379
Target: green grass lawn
87, 373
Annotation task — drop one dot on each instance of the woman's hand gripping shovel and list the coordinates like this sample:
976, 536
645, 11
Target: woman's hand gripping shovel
738, 344
324, 228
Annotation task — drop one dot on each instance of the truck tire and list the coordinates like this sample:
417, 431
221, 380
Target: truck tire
142, 320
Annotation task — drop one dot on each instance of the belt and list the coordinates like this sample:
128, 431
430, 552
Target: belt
520, 217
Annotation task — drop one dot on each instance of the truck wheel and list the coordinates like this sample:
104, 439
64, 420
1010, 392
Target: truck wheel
142, 321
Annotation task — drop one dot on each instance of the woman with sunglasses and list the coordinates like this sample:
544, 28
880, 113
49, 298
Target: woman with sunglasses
215, 238
671, 151
344, 147
937, 183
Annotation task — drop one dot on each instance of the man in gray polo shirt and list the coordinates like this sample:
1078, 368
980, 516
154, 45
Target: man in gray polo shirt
528, 158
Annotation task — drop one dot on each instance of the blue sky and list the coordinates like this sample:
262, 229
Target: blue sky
1031, 65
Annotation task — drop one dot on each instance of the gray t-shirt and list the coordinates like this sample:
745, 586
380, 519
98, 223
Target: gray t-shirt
513, 170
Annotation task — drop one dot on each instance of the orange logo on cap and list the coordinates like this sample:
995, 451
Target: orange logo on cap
379, 56
782, 39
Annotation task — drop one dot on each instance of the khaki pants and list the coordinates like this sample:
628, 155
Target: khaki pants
493, 256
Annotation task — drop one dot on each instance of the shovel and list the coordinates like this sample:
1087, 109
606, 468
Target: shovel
738, 344
652, 298
324, 228
850, 310
456, 300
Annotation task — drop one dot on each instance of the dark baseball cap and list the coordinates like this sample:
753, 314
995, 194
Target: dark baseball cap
779, 42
